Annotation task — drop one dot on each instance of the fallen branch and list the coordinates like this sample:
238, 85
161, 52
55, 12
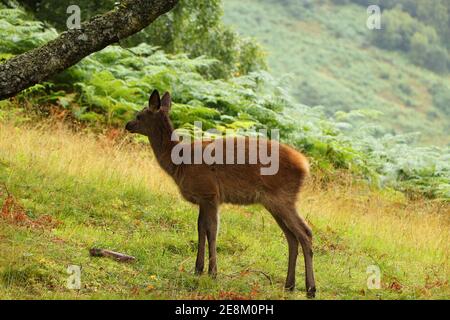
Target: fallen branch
95, 252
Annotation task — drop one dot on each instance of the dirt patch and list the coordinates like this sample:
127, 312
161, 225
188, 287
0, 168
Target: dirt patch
422, 95
391, 97
311, 27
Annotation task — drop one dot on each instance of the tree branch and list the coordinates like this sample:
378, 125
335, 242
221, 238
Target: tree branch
37, 65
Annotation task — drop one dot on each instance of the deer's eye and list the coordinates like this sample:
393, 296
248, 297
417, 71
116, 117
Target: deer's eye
139, 117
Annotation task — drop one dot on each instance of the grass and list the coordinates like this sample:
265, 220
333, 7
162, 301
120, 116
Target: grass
78, 190
324, 53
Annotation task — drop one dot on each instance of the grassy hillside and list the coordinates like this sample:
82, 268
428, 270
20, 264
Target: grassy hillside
71, 179
63, 192
323, 52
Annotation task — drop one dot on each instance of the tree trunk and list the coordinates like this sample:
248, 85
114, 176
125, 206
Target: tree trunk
37, 65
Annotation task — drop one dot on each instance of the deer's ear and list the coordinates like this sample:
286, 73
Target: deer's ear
166, 102
154, 102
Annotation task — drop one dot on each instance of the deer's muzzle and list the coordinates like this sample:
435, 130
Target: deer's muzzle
131, 126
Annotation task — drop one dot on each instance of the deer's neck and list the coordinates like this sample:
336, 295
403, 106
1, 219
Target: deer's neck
162, 144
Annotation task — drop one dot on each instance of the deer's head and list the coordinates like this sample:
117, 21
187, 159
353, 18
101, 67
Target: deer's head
151, 116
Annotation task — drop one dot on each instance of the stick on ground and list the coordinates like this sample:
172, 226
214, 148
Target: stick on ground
95, 252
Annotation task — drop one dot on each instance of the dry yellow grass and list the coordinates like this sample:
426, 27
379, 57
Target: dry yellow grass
86, 155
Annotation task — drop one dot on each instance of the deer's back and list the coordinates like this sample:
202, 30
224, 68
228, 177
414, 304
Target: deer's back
233, 182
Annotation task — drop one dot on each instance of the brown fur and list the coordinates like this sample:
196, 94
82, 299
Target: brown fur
210, 185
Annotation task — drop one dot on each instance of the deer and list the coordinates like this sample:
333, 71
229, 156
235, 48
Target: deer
210, 185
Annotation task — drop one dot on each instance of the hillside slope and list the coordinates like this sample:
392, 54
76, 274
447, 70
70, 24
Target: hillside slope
63, 192
324, 53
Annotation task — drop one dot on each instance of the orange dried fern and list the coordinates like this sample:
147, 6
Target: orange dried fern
14, 213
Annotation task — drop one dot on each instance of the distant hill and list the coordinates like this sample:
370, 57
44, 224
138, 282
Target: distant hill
324, 53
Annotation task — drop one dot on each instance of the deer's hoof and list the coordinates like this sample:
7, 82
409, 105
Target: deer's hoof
213, 274
198, 271
311, 293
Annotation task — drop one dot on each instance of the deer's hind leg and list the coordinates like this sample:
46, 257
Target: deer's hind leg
302, 232
292, 247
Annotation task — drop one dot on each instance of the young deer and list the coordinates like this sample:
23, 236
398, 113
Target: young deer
209, 185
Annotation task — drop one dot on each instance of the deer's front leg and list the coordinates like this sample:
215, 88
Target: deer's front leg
201, 225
